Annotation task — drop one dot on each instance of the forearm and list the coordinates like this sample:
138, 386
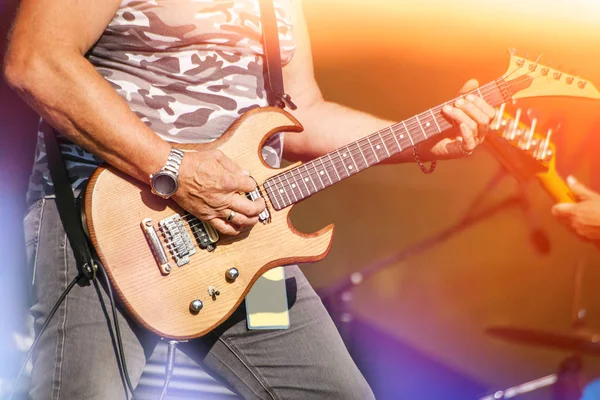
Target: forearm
66, 90
328, 126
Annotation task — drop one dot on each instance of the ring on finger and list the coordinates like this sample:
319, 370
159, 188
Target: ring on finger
230, 216
463, 151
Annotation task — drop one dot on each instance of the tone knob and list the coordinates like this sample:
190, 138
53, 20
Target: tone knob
232, 274
196, 306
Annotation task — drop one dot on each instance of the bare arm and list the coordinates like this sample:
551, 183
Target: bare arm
329, 126
45, 64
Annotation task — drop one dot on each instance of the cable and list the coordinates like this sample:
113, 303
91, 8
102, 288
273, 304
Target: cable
121, 352
169, 367
43, 328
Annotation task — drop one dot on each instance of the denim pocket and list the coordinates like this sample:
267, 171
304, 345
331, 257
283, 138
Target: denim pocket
32, 224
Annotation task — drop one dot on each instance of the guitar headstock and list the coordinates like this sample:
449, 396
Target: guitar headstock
525, 78
527, 152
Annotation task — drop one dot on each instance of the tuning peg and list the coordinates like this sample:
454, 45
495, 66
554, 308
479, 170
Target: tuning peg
533, 113
512, 51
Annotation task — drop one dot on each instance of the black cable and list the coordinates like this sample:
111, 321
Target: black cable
42, 329
121, 352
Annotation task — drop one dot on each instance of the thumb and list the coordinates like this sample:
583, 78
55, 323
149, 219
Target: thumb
470, 85
563, 209
581, 191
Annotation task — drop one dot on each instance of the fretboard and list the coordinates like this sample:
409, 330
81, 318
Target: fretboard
307, 179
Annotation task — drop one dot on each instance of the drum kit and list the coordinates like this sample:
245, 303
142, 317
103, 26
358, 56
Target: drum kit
568, 381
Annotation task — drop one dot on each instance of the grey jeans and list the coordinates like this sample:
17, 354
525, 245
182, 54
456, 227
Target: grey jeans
76, 358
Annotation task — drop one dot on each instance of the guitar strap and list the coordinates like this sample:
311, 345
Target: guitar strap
276, 95
67, 208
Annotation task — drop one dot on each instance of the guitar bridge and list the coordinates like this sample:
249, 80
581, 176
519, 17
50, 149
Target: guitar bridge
177, 238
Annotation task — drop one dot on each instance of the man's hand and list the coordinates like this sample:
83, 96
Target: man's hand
582, 217
472, 116
209, 187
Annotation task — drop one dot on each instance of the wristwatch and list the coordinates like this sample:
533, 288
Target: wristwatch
164, 183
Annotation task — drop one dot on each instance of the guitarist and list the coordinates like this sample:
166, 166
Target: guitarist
583, 217
119, 79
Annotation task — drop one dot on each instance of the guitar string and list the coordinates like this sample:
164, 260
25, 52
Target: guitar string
313, 170
359, 144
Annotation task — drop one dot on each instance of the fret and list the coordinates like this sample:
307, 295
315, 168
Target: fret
408, 133
305, 179
318, 174
310, 177
321, 172
421, 126
373, 148
396, 139
383, 144
296, 185
273, 196
283, 190
289, 177
428, 124
326, 172
435, 120
367, 164
479, 91
380, 148
334, 167
355, 168
343, 162
275, 190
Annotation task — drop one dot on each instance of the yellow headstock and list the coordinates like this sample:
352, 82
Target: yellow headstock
526, 153
525, 78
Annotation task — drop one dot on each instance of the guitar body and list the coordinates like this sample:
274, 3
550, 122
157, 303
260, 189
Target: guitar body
116, 205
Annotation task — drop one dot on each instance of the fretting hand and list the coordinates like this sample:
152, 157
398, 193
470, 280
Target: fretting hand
472, 116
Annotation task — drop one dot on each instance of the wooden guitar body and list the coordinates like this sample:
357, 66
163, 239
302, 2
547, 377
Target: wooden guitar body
116, 205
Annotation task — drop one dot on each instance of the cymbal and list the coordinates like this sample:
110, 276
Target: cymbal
578, 341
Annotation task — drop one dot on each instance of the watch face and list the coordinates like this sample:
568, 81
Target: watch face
164, 184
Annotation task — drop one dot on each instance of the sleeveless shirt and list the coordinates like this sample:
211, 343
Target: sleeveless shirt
187, 68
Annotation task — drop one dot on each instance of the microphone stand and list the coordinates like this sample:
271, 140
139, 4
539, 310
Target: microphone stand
338, 297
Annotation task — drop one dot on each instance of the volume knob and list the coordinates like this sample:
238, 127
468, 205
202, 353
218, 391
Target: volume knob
196, 306
232, 274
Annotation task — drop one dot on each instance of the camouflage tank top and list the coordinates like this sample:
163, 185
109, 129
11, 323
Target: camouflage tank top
187, 68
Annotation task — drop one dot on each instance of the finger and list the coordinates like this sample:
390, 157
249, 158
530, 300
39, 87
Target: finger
249, 208
225, 227
238, 219
473, 111
482, 105
469, 86
468, 127
581, 191
228, 164
563, 210
232, 182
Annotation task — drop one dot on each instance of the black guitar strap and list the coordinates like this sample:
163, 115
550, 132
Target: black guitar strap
276, 95
67, 208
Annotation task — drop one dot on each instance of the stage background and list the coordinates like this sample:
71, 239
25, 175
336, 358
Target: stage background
394, 59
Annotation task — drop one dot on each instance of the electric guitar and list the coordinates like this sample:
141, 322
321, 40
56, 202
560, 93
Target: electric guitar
173, 272
527, 153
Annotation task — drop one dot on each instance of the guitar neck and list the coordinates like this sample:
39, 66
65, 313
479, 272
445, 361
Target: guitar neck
309, 178
556, 187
